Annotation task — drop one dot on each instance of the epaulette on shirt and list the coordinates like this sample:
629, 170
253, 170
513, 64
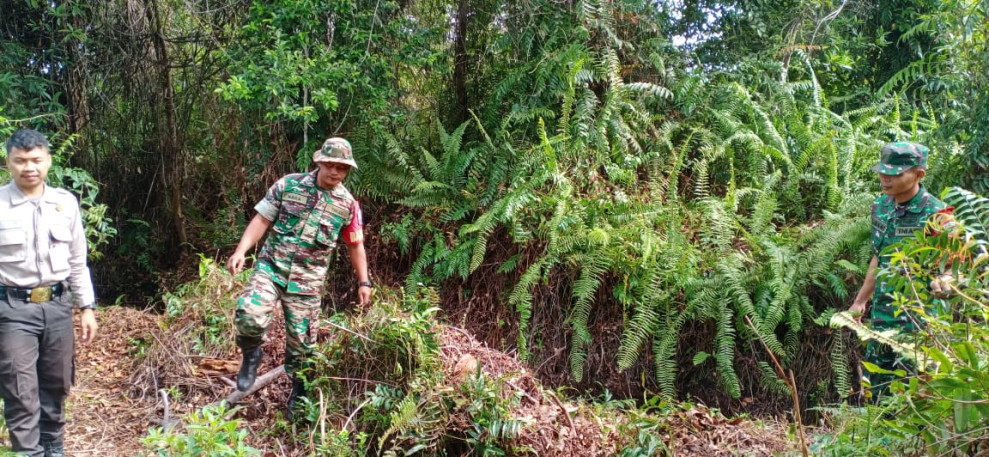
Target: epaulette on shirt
63, 194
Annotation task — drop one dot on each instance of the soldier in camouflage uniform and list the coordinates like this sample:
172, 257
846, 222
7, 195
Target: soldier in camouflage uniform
903, 209
308, 213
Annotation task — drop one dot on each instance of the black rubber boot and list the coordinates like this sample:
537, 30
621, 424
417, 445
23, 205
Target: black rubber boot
298, 390
251, 350
53, 448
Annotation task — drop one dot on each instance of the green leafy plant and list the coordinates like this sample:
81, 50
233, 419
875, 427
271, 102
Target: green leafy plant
394, 346
647, 442
492, 427
208, 431
197, 318
206, 304
3, 422
408, 405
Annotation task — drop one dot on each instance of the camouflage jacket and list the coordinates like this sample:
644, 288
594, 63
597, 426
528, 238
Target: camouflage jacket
307, 221
891, 223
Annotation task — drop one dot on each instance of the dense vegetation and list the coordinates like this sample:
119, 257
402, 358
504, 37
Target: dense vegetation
607, 188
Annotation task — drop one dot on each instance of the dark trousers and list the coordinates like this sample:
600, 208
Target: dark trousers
36, 363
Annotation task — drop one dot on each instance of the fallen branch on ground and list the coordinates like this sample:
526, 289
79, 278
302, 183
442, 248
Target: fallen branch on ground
262, 381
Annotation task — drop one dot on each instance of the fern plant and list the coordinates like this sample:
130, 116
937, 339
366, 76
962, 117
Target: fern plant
680, 199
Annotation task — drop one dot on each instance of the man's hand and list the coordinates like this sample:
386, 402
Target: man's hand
364, 294
857, 309
254, 231
941, 286
235, 263
865, 293
87, 323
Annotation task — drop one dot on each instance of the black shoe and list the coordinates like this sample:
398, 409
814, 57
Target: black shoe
249, 368
53, 448
298, 390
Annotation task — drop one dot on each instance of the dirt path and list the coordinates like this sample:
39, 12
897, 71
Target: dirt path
104, 418
110, 414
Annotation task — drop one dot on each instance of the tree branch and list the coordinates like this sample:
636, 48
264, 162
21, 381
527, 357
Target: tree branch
262, 381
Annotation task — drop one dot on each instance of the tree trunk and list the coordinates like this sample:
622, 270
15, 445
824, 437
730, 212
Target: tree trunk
172, 158
459, 111
77, 85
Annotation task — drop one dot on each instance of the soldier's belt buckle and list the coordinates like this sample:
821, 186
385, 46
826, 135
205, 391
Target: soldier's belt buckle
41, 294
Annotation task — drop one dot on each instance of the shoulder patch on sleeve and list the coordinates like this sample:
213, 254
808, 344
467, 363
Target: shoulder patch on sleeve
879, 225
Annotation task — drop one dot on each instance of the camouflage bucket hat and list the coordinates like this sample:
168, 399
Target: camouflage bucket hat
895, 158
336, 150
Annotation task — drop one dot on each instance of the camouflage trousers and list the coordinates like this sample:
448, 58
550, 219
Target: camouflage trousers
885, 318
253, 316
886, 358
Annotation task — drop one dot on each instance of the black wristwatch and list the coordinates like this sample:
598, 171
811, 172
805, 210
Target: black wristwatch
365, 283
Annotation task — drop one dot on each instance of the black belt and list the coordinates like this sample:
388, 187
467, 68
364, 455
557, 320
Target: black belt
35, 295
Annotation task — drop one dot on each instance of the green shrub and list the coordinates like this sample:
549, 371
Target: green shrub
207, 432
197, 320
386, 363
492, 428
377, 385
748, 203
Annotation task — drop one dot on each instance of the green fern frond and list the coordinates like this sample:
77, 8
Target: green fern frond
418, 274
521, 298
771, 380
845, 320
781, 283
394, 148
732, 271
719, 232
664, 350
816, 148
452, 142
484, 226
401, 418
761, 221
835, 284
839, 366
912, 72
566, 110
432, 165
724, 356
593, 267
794, 327
654, 90
639, 328
971, 210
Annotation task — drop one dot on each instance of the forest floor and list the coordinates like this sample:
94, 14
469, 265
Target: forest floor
109, 415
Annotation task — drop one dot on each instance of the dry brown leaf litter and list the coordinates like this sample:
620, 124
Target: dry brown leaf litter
109, 414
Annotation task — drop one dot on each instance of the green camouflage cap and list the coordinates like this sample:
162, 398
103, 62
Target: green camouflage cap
895, 158
335, 150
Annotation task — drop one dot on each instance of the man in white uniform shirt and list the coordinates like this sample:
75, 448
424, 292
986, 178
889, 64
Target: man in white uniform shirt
42, 253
